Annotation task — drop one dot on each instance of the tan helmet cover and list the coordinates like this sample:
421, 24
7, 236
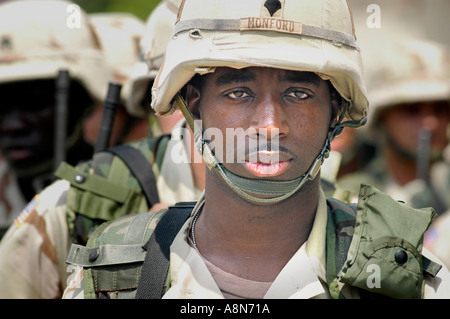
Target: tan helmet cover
119, 35
301, 35
40, 37
158, 32
399, 72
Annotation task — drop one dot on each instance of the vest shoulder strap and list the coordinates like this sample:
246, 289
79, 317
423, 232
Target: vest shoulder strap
156, 264
130, 252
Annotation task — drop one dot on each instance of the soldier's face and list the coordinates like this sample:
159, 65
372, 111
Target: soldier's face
26, 121
286, 109
404, 122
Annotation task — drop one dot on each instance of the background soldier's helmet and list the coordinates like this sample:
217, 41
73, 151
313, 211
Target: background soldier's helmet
400, 72
301, 35
158, 32
119, 35
39, 37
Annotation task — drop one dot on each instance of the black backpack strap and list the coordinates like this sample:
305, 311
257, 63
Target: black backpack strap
154, 271
141, 169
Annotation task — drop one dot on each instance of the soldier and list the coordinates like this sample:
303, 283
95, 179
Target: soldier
119, 35
32, 262
270, 81
32, 51
409, 92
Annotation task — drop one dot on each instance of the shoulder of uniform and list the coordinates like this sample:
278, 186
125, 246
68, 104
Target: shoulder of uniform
43, 203
130, 229
119, 241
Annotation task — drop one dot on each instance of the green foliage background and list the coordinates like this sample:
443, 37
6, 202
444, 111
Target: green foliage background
140, 8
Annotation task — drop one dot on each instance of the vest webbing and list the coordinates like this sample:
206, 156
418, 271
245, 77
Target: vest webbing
156, 264
122, 181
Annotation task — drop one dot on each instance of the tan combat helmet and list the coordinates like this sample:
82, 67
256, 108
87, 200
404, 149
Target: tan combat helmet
40, 37
300, 35
406, 71
157, 34
119, 35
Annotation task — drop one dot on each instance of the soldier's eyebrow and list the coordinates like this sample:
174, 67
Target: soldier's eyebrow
300, 76
235, 76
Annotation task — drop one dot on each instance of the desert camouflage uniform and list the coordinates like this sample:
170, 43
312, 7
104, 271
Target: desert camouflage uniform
11, 199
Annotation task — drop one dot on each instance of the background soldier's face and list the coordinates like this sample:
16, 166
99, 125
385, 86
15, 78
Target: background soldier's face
26, 121
27, 115
403, 123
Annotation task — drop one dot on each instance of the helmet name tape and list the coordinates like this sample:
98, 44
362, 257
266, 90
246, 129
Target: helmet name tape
266, 24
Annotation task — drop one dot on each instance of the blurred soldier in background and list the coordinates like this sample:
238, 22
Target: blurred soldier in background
32, 51
104, 188
409, 90
119, 35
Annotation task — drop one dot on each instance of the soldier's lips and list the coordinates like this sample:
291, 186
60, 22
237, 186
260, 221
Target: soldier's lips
267, 169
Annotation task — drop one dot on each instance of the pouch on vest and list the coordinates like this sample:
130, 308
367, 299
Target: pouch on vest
385, 254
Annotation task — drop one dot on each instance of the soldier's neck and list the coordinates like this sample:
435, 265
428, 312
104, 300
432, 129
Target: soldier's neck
231, 231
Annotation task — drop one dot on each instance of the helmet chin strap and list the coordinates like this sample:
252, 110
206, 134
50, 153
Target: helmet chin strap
259, 191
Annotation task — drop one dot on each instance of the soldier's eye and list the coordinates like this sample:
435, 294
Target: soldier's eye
300, 95
238, 94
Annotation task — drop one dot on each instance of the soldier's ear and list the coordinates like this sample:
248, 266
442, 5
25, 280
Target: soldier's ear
193, 99
336, 103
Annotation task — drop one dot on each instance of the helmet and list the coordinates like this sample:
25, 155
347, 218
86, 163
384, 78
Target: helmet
315, 36
406, 71
38, 38
157, 34
300, 35
119, 35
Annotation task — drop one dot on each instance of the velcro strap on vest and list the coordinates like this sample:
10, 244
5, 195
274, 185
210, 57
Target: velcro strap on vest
92, 183
105, 255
